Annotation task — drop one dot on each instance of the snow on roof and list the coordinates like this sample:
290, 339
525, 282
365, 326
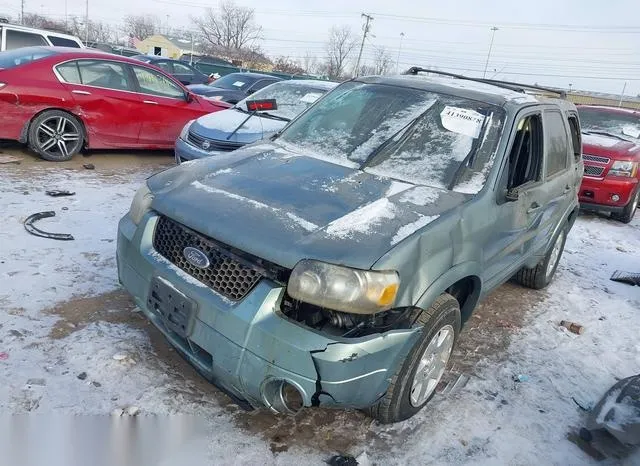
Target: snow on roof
476, 86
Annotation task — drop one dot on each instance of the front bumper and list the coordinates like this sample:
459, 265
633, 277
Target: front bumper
240, 346
596, 194
185, 151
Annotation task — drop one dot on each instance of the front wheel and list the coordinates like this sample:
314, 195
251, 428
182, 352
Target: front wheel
629, 210
415, 382
56, 135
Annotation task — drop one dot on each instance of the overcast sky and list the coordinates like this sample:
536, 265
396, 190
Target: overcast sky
551, 42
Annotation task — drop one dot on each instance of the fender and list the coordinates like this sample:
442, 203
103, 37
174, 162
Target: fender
451, 276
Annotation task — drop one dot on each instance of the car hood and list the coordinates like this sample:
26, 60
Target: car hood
204, 89
610, 147
220, 125
283, 206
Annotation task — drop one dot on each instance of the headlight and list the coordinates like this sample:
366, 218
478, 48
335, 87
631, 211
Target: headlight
184, 134
213, 97
342, 288
141, 204
624, 168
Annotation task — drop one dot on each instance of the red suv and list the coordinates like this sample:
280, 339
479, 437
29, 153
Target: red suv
611, 153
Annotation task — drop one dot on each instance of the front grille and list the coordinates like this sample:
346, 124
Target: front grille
210, 145
226, 274
592, 170
595, 158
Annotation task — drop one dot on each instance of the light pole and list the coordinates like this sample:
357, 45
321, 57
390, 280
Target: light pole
399, 50
493, 34
622, 94
86, 25
570, 87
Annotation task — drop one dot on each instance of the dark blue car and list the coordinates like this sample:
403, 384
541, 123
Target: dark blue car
234, 87
182, 71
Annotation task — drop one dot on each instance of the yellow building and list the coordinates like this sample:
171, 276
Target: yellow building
166, 46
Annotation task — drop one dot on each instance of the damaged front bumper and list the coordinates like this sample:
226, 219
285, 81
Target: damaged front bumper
246, 346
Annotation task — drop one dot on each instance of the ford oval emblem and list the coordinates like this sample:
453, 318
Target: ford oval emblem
196, 257
206, 145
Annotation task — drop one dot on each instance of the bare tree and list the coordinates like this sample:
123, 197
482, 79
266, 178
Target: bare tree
231, 27
288, 66
339, 48
309, 63
98, 31
382, 61
141, 26
42, 22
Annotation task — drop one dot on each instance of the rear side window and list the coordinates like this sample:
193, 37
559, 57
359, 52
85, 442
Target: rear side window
62, 42
576, 140
556, 142
23, 56
179, 68
18, 39
262, 84
98, 73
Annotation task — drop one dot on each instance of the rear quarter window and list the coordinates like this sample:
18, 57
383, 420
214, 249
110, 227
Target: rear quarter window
13, 58
63, 42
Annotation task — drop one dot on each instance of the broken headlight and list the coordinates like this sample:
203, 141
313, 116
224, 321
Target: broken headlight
141, 204
342, 288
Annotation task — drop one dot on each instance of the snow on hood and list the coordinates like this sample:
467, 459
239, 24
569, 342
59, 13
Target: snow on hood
283, 208
219, 125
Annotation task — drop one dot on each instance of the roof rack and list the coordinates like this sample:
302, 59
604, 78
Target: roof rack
518, 87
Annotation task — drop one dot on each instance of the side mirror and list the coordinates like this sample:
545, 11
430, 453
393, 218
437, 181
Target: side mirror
190, 97
250, 91
512, 195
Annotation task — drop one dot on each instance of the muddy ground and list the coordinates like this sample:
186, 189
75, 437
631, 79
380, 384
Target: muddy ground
483, 340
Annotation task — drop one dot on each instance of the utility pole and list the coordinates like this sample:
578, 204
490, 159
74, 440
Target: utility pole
86, 23
493, 34
368, 19
622, 94
22, 12
399, 50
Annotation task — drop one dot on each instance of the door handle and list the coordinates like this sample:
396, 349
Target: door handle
75, 91
534, 208
151, 102
567, 188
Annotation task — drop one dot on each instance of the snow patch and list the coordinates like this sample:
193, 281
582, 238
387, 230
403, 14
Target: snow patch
410, 228
307, 225
421, 195
397, 187
362, 219
222, 192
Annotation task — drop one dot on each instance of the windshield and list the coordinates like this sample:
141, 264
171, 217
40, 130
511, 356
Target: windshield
291, 98
620, 123
233, 81
408, 134
23, 56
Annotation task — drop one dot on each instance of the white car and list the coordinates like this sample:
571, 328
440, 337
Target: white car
15, 37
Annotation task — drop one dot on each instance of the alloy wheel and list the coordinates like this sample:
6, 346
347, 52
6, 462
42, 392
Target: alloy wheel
57, 134
432, 365
555, 255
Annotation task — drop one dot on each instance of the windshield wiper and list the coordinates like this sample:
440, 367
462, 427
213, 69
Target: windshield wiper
388, 142
241, 124
605, 133
275, 117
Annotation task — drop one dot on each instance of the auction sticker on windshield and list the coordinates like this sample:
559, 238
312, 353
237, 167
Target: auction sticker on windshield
310, 97
462, 120
238, 84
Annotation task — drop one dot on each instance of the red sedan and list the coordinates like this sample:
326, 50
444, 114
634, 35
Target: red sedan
59, 100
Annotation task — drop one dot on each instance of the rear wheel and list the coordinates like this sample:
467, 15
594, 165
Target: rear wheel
418, 376
629, 210
542, 274
56, 135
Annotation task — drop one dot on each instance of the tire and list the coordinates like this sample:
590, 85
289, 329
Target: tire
542, 274
56, 135
440, 324
629, 210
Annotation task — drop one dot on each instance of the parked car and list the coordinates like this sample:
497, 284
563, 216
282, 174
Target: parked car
59, 100
234, 87
182, 71
335, 264
257, 117
15, 37
611, 156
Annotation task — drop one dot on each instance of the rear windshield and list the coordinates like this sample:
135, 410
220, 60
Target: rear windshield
408, 134
18, 57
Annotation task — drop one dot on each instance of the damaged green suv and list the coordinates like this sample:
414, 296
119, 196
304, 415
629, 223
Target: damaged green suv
335, 264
